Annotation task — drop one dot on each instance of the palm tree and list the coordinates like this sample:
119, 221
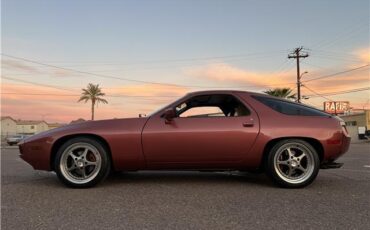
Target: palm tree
94, 94
281, 92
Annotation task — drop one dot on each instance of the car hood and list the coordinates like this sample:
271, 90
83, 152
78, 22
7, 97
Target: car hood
90, 127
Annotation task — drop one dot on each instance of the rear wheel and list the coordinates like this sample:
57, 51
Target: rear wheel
82, 162
293, 163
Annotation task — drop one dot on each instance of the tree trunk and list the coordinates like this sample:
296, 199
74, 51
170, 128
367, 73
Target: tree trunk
92, 110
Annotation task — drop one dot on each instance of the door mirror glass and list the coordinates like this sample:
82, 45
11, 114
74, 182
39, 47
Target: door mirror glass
168, 115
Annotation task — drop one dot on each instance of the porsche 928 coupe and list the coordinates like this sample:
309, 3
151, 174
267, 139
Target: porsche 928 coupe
208, 130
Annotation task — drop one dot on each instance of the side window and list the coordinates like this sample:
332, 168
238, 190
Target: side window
217, 105
206, 111
289, 108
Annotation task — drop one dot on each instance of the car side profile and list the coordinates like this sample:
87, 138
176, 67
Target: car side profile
207, 130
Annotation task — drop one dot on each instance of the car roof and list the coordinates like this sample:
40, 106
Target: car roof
202, 92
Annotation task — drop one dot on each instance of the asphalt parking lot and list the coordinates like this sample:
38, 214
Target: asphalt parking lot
338, 199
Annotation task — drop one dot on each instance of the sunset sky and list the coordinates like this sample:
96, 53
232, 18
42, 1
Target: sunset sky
126, 46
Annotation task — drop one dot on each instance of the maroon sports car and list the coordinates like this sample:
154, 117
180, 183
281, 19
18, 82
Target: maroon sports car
209, 130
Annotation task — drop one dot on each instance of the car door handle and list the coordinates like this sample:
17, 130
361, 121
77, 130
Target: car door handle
248, 123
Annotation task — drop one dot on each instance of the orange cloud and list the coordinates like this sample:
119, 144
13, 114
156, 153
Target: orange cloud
351, 80
363, 54
226, 73
150, 90
61, 106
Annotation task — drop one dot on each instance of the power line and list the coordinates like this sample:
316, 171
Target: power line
296, 54
150, 68
185, 59
158, 67
56, 87
88, 73
344, 35
311, 104
169, 84
316, 93
333, 57
38, 84
336, 53
77, 95
337, 73
172, 96
342, 92
39, 94
131, 80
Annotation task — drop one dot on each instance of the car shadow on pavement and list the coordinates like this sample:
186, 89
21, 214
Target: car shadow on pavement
187, 177
149, 178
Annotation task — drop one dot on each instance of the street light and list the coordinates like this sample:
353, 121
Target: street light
299, 86
302, 74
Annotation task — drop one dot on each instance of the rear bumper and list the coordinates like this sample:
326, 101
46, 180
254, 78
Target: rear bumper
346, 141
335, 147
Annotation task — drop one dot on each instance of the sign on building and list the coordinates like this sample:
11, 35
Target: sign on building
336, 107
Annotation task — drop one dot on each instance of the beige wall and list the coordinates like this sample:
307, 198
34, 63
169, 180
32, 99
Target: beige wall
32, 128
357, 120
8, 127
42, 127
360, 119
53, 126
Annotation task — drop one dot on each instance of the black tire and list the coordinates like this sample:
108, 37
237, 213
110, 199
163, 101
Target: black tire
101, 153
277, 169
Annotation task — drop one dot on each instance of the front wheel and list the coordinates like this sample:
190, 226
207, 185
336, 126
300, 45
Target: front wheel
293, 163
82, 162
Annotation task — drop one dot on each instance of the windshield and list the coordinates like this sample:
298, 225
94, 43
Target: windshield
157, 110
165, 106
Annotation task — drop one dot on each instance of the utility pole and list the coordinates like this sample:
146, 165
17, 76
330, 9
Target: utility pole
297, 54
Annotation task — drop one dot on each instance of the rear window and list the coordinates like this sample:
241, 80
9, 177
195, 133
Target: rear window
289, 108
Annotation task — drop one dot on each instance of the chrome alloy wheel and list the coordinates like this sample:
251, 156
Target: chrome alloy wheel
294, 163
80, 163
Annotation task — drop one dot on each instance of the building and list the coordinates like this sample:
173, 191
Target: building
8, 127
31, 127
11, 127
79, 120
54, 125
358, 124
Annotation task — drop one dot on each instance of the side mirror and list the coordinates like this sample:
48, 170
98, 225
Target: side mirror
168, 115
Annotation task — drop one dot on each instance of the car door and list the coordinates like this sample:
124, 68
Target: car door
199, 142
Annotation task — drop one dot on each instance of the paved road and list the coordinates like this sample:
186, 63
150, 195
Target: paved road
187, 200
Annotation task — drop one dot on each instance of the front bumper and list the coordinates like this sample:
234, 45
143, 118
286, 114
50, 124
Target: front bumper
12, 142
36, 153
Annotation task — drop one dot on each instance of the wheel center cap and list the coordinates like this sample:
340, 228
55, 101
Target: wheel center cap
80, 164
294, 163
